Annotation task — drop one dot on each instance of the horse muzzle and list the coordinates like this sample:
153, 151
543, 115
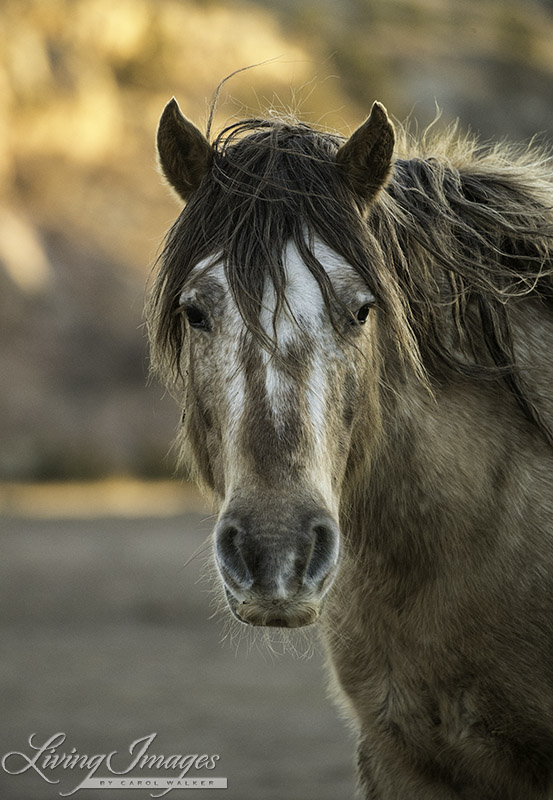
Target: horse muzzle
273, 614
276, 569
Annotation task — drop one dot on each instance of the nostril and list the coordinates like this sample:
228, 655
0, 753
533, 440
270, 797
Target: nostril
230, 558
324, 553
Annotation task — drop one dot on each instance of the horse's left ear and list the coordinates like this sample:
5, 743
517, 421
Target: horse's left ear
367, 155
184, 153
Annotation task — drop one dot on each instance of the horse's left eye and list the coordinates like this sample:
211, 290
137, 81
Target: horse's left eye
196, 317
363, 313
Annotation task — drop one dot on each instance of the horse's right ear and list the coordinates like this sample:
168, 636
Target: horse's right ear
184, 153
366, 157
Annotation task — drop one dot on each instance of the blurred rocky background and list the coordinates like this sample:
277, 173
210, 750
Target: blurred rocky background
82, 209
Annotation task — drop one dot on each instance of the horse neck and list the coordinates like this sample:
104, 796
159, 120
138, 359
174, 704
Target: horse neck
427, 490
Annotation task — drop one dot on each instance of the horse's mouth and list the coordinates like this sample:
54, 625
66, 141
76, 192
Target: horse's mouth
273, 614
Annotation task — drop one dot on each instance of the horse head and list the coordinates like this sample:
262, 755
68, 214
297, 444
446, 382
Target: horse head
278, 354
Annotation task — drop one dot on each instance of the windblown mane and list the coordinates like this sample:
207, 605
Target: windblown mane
457, 235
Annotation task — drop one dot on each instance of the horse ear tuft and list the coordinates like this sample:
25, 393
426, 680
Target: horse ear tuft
366, 156
184, 153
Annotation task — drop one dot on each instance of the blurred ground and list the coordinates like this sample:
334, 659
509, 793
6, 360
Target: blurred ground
108, 638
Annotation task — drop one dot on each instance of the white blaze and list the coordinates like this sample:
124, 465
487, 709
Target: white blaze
304, 310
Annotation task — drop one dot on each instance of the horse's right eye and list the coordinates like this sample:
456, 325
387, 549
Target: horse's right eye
196, 317
363, 313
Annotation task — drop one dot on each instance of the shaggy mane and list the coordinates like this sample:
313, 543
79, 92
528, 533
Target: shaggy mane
459, 234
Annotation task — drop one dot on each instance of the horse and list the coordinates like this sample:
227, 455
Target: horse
360, 333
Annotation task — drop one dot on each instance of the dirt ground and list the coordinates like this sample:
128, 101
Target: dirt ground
107, 637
